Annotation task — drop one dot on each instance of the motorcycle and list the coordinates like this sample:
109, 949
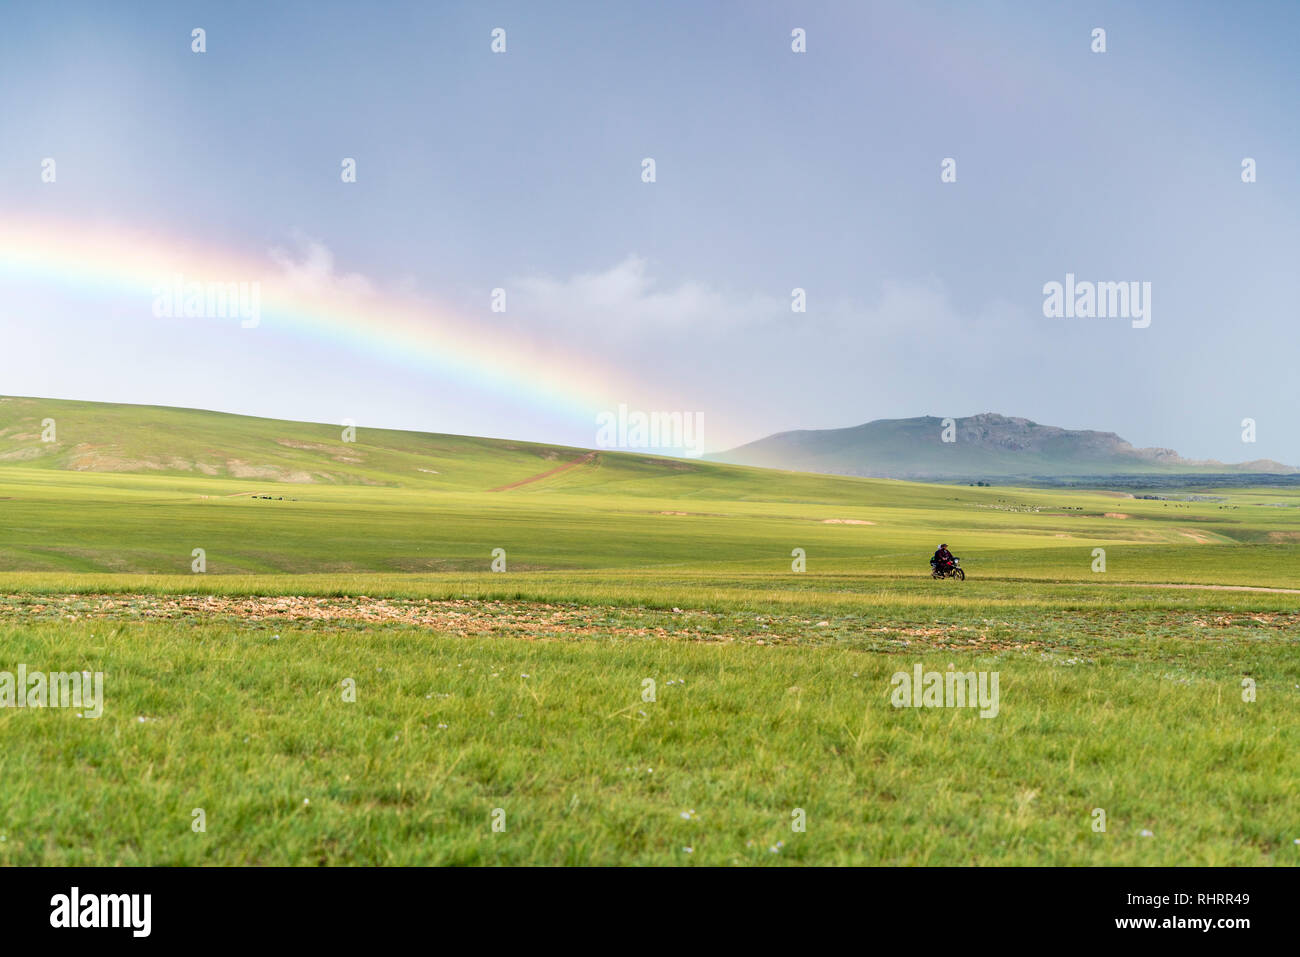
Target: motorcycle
950, 570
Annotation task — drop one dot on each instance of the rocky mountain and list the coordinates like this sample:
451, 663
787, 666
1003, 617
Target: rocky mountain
978, 447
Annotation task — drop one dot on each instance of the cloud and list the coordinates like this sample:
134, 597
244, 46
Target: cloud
312, 271
627, 297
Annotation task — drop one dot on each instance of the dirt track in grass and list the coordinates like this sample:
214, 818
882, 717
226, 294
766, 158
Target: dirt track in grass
541, 621
1276, 591
574, 463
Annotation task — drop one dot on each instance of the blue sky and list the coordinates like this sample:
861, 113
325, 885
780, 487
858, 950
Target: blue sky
774, 170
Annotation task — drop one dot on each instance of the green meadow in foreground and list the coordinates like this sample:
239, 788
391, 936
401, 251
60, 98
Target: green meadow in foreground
1146, 651
553, 738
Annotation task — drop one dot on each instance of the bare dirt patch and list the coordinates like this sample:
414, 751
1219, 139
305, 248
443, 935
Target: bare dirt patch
529, 621
22, 455
455, 617
546, 621
306, 446
241, 469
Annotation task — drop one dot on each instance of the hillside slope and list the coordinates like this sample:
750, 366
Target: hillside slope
111, 437
170, 443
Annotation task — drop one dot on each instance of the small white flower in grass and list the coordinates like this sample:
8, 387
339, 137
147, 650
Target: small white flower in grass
525, 676
689, 850
688, 815
1296, 841
643, 714
443, 726
306, 801
1145, 833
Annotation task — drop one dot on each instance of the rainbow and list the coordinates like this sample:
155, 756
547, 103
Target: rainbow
461, 350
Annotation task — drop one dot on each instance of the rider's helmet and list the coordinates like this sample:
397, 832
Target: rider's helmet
944, 545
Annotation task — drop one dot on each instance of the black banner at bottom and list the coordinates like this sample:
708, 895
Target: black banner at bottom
139, 906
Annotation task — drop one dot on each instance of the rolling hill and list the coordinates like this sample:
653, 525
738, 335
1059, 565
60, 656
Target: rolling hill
161, 440
129, 489
983, 447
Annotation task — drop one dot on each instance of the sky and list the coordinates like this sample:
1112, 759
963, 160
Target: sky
774, 170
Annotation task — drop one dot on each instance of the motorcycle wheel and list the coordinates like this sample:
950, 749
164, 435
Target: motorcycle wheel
961, 575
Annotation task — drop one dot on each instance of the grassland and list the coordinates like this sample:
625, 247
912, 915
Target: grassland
1121, 689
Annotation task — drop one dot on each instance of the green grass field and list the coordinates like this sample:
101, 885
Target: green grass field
370, 563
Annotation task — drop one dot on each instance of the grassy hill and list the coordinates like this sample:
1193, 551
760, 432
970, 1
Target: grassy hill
111, 437
135, 489
987, 446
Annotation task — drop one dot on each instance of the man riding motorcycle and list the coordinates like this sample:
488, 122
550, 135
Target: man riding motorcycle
942, 557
